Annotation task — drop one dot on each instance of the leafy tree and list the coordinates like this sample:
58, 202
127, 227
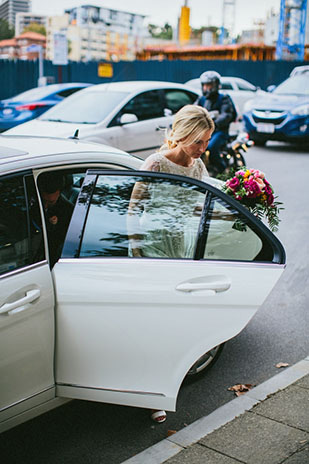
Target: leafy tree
6, 31
161, 32
35, 27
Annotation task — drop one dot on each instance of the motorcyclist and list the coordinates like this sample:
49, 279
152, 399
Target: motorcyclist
223, 112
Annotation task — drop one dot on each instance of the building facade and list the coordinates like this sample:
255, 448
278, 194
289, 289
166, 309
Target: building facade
17, 48
9, 8
23, 20
98, 33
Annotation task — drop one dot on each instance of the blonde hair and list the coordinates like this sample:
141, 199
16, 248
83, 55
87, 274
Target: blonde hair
190, 122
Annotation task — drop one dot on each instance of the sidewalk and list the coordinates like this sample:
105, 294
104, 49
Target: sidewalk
267, 425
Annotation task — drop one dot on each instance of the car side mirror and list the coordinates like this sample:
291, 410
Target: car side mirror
271, 88
167, 112
127, 118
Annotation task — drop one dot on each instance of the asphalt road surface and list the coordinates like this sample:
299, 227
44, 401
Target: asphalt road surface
86, 432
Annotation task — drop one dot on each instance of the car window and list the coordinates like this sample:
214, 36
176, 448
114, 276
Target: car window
296, 85
162, 223
85, 107
230, 237
226, 86
244, 86
176, 99
65, 93
154, 217
33, 94
146, 105
21, 240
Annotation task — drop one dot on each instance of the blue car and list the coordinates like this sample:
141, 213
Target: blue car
32, 103
282, 114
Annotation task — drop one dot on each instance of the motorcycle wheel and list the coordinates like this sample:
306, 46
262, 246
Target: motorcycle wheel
238, 161
204, 363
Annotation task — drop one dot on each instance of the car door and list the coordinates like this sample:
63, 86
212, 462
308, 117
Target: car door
144, 136
26, 302
156, 270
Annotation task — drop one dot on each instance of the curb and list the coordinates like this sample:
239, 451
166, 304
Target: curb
169, 447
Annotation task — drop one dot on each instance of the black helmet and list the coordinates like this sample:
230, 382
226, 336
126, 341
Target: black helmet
210, 77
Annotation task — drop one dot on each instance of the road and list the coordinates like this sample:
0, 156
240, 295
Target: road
85, 432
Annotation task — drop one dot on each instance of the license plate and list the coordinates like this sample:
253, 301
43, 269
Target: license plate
265, 127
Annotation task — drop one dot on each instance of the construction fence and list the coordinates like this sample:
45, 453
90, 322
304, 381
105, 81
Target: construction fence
18, 76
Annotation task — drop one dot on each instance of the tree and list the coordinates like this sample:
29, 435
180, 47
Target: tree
161, 32
35, 27
6, 31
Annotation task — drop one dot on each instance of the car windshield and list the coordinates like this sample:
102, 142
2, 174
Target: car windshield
297, 85
33, 94
85, 108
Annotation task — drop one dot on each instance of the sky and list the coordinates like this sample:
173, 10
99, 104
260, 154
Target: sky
202, 12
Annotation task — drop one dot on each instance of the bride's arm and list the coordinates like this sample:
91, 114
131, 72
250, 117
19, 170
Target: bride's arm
136, 207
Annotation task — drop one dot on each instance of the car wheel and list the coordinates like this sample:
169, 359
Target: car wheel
204, 363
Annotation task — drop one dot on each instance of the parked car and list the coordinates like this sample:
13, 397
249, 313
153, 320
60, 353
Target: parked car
239, 90
299, 70
131, 115
88, 327
281, 115
34, 102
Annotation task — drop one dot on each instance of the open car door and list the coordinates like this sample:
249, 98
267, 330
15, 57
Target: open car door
156, 270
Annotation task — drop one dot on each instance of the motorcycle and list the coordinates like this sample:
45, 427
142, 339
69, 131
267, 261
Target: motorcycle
232, 153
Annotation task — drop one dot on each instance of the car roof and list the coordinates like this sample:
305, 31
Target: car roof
21, 152
134, 86
223, 78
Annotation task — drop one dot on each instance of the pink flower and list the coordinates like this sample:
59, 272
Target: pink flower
233, 183
253, 189
260, 182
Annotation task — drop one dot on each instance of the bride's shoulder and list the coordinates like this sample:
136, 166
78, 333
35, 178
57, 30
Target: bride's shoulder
152, 163
201, 167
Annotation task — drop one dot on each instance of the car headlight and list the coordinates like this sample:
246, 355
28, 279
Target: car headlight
302, 110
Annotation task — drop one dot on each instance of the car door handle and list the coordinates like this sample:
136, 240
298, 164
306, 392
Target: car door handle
22, 303
213, 287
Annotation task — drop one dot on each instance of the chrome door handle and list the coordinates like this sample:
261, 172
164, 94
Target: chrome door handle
215, 287
22, 303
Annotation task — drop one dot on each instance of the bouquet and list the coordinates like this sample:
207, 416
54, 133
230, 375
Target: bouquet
250, 187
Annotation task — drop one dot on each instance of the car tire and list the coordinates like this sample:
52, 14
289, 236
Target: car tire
204, 363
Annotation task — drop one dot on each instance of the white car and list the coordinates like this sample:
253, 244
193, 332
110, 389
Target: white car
100, 324
131, 116
239, 90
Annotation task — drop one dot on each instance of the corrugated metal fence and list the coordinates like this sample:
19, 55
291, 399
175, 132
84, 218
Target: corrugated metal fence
17, 76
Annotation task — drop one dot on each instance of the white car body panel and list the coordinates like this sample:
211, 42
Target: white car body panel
107, 336
26, 340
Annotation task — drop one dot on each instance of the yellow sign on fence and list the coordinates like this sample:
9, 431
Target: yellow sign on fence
105, 70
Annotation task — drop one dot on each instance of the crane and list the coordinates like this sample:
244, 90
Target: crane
292, 28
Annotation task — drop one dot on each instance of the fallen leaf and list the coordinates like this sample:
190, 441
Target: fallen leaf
241, 388
171, 432
281, 364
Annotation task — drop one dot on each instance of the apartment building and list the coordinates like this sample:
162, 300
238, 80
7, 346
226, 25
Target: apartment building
98, 33
23, 20
9, 9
